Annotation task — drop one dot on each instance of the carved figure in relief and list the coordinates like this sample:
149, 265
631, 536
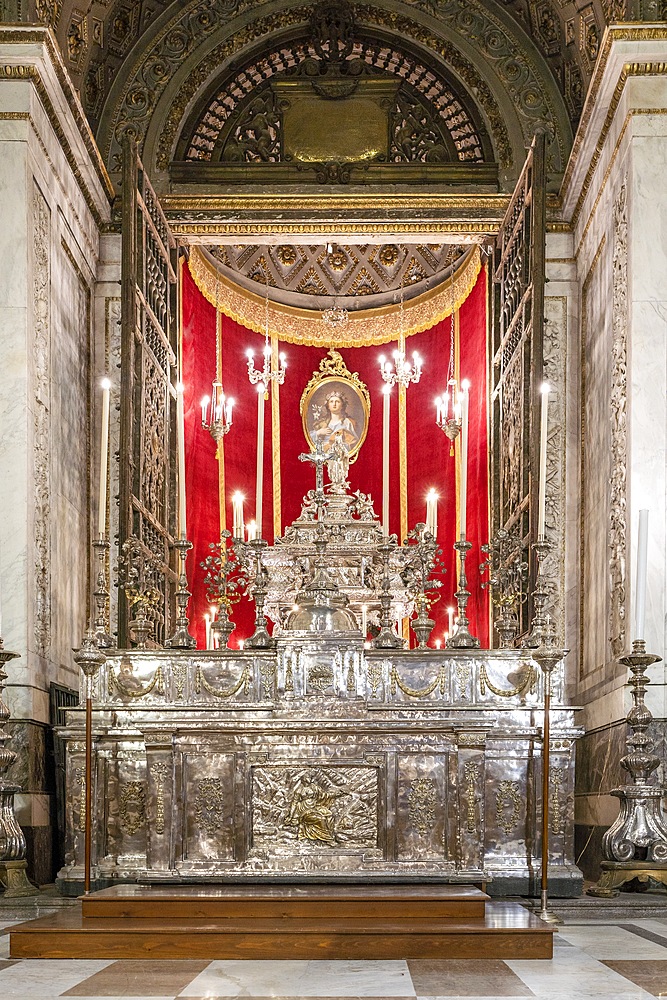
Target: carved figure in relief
310, 810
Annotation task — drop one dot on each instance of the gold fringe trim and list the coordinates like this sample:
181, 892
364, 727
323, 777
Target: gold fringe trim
364, 327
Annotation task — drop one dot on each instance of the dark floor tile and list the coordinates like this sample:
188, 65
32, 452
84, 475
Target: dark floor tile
649, 974
454, 977
6, 962
139, 978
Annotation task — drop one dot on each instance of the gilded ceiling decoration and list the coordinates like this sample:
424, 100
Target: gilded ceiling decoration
357, 277
297, 325
429, 122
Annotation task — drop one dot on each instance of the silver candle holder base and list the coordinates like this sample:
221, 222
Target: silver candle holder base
462, 637
181, 638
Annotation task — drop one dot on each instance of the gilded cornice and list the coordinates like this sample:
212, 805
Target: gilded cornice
494, 204
614, 34
44, 36
209, 232
304, 326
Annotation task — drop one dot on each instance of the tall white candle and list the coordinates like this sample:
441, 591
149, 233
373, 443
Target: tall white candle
237, 515
545, 388
386, 404
207, 621
432, 512
104, 459
463, 489
259, 484
180, 448
642, 562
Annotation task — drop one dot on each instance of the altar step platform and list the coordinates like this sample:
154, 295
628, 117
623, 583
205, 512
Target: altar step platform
286, 921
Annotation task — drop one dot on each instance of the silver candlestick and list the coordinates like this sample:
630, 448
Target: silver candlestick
540, 596
101, 594
260, 639
181, 639
547, 656
635, 845
13, 865
462, 638
387, 637
89, 658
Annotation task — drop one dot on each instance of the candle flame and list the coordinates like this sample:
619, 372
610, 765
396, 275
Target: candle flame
545, 388
465, 385
105, 383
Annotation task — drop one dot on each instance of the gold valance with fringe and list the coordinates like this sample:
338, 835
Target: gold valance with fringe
305, 326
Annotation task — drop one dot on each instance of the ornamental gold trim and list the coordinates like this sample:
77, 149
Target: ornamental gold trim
364, 327
309, 201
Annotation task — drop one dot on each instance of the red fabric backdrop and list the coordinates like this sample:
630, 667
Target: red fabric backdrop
429, 461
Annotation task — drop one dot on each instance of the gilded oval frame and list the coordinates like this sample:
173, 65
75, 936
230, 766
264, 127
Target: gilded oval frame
333, 376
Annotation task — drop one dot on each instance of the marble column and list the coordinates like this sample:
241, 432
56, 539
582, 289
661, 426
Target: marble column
53, 201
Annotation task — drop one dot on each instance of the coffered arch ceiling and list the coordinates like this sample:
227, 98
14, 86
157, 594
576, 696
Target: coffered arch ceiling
143, 67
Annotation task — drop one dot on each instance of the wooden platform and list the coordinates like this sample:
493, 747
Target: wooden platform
289, 921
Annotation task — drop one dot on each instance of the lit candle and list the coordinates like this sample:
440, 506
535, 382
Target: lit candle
241, 644
463, 493
207, 620
180, 448
237, 513
364, 620
228, 414
104, 459
259, 483
204, 409
642, 561
542, 495
438, 643
252, 531
385, 457
450, 619
432, 512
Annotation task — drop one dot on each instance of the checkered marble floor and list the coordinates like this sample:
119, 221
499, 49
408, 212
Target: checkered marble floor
605, 961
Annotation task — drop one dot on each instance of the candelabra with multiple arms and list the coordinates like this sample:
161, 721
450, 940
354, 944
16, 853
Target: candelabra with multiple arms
421, 560
226, 581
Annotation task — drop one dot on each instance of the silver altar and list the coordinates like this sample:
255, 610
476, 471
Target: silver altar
319, 758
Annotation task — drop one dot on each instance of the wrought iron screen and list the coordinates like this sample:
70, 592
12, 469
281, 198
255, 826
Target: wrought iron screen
147, 418
516, 367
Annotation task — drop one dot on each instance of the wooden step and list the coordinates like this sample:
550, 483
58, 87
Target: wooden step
192, 902
506, 931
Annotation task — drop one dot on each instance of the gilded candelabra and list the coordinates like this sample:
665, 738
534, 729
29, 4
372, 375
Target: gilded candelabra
635, 845
421, 557
226, 581
13, 865
138, 573
508, 572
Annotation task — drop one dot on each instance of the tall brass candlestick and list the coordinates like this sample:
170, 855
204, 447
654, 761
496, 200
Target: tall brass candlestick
89, 658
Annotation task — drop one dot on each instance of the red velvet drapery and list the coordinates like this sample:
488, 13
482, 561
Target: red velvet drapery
429, 463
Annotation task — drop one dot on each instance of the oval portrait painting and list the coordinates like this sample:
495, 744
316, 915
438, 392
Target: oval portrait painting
335, 408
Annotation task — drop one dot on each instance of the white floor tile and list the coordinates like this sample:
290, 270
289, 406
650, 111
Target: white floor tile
47, 977
612, 943
302, 979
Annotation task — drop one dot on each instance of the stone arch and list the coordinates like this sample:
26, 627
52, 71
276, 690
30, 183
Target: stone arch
479, 45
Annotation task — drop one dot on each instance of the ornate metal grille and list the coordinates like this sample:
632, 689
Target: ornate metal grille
147, 391
518, 316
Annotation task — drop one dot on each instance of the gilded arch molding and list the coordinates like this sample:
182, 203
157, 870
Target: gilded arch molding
479, 43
